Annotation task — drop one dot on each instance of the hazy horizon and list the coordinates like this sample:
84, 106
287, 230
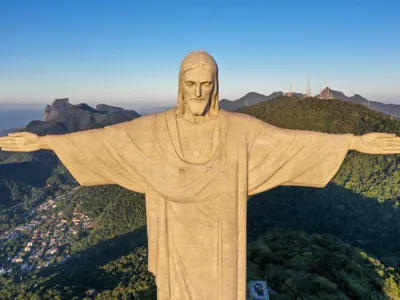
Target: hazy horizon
156, 104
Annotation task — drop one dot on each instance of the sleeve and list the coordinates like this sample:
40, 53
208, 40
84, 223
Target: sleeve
279, 156
92, 160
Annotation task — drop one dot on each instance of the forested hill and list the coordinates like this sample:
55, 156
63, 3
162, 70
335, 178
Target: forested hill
339, 242
330, 116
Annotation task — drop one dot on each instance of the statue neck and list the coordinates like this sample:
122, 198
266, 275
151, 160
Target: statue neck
196, 139
189, 117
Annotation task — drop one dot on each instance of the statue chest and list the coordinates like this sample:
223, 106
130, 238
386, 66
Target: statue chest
196, 144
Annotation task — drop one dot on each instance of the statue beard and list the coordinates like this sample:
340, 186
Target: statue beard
191, 117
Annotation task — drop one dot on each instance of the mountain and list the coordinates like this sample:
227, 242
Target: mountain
391, 109
247, 100
253, 98
328, 115
341, 96
298, 95
52, 111
64, 117
108, 109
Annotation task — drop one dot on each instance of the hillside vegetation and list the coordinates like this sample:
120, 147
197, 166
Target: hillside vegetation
303, 266
330, 116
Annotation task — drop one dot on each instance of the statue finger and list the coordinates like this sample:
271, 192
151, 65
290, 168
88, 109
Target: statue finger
393, 140
385, 136
16, 150
10, 148
392, 146
7, 138
7, 141
392, 149
391, 137
385, 139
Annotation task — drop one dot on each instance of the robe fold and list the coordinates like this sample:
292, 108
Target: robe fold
196, 212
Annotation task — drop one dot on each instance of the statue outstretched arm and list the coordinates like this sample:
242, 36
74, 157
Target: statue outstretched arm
376, 143
23, 142
279, 156
88, 155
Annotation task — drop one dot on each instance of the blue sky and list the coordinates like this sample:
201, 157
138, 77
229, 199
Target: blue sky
128, 52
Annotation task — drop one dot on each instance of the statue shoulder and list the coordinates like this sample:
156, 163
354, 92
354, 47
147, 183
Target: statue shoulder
236, 116
135, 124
242, 121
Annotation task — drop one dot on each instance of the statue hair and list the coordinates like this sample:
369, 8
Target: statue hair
193, 60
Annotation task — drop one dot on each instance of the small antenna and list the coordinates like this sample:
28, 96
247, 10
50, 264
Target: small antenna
308, 90
290, 90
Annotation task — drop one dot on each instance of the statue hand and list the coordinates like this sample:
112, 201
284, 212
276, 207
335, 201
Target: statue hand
378, 143
20, 142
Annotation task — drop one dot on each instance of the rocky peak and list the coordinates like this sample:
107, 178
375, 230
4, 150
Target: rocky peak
51, 111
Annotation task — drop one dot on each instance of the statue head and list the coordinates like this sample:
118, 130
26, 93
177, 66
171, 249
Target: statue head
198, 85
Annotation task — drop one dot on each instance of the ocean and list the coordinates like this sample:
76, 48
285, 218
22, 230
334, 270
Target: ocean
15, 117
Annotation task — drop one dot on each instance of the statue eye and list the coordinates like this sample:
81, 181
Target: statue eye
207, 83
189, 83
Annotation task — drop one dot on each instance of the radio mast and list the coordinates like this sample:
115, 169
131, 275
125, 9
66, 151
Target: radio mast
308, 90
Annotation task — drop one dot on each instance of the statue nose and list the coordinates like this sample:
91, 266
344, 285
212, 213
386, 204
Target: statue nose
198, 91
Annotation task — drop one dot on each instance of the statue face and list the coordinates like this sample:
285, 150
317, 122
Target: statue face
197, 89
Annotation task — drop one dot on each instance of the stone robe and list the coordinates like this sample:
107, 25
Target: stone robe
196, 213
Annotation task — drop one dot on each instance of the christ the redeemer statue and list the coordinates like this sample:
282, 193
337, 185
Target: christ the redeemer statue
197, 165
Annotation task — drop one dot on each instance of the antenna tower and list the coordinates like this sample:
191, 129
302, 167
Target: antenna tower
320, 93
329, 91
308, 90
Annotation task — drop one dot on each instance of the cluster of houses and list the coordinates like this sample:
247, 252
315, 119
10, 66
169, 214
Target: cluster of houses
45, 239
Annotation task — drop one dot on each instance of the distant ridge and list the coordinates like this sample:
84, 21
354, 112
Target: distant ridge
253, 98
62, 117
390, 109
249, 99
154, 110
